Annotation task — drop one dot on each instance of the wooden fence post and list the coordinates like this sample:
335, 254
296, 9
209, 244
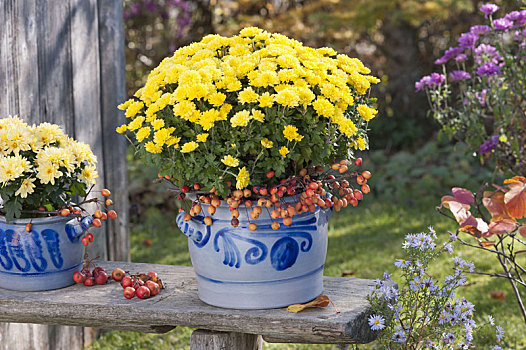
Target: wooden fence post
62, 61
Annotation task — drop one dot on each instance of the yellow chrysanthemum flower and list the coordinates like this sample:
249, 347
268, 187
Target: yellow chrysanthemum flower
122, 129
250, 32
265, 100
153, 147
291, 133
162, 135
258, 115
267, 143
288, 98
27, 187
242, 179
136, 123
247, 96
323, 107
133, 109
89, 174
230, 161
142, 133
202, 137
283, 151
189, 147
47, 172
12, 168
366, 112
217, 99
157, 124
360, 144
241, 118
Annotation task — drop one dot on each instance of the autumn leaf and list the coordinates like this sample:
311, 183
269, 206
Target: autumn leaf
494, 202
502, 227
522, 230
498, 295
472, 230
462, 195
515, 198
460, 211
487, 244
321, 301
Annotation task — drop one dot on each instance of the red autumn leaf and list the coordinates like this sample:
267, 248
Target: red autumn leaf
472, 230
501, 227
321, 301
515, 198
480, 224
460, 211
522, 230
462, 195
494, 202
498, 295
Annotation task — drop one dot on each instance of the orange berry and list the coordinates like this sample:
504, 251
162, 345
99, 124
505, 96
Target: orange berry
211, 210
96, 223
97, 214
254, 215
252, 227
234, 222
275, 225
343, 162
234, 213
208, 221
287, 221
274, 214
112, 214
104, 216
247, 193
187, 217
366, 174
197, 208
248, 203
360, 180
28, 226
77, 211
303, 172
358, 195
258, 210
335, 166
216, 202
365, 188
105, 192
343, 169
65, 212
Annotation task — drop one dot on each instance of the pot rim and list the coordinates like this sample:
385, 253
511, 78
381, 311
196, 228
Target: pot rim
35, 221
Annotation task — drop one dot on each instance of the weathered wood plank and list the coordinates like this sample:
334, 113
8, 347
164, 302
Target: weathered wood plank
113, 92
86, 96
212, 340
3, 61
105, 307
8, 55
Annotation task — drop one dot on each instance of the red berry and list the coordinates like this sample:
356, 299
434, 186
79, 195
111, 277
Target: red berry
101, 278
90, 281
108, 202
112, 214
143, 292
197, 187
79, 277
263, 191
85, 241
28, 227
291, 191
255, 189
129, 292
313, 186
98, 270
118, 274
153, 276
273, 190
365, 188
181, 196
127, 281
358, 161
96, 223
185, 189
90, 237
153, 287
105, 192
65, 212
358, 195
366, 174
271, 174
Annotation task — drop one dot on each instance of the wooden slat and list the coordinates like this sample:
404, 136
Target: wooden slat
113, 92
8, 56
105, 307
3, 61
213, 340
86, 95
54, 63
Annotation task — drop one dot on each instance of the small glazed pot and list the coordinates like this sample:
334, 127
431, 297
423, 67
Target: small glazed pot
243, 269
43, 258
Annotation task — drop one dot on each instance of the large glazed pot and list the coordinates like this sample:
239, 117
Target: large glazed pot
43, 258
266, 268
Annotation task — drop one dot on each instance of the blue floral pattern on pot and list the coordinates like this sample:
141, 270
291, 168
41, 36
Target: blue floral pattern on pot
266, 268
43, 258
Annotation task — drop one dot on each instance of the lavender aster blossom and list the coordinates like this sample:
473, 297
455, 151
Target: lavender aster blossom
489, 145
449, 54
485, 52
502, 24
467, 40
513, 15
488, 69
461, 58
489, 9
432, 80
479, 29
521, 19
500, 332
376, 322
481, 97
457, 75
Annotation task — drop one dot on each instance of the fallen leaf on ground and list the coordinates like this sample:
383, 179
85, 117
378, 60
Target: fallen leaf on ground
498, 295
321, 301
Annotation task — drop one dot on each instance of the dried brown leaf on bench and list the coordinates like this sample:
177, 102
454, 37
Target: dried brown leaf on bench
321, 301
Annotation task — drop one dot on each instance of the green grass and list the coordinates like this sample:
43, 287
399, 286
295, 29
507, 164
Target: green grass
363, 241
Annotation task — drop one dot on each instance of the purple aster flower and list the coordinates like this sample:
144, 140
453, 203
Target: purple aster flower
467, 40
480, 29
376, 322
485, 52
521, 19
423, 82
488, 69
449, 54
481, 97
461, 58
459, 75
502, 24
513, 15
436, 79
489, 145
432, 80
489, 9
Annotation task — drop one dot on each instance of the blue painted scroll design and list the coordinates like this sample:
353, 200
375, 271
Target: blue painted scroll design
51, 237
284, 252
76, 229
5, 259
190, 229
16, 251
33, 247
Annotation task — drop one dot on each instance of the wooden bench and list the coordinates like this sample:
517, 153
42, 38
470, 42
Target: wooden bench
177, 305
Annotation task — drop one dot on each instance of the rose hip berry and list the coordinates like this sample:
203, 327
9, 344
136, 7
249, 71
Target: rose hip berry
129, 292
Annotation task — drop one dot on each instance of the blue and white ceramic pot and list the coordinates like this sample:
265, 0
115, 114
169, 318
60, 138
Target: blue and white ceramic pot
43, 258
266, 268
